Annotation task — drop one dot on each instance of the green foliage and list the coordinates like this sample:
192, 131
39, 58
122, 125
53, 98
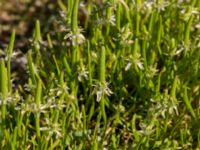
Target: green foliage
126, 77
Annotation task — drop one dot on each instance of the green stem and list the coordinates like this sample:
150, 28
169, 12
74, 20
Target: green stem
10, 50
3, 88
38, 101
102, 80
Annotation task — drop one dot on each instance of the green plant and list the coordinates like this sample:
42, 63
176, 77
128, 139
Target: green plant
127, 79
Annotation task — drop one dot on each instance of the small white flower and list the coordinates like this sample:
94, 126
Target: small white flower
128, 66
161, 6
82, 74
63, 14
76, 38
52, 128
124, 37
151, 72
100, 90
112, 20
134, 61
99, 96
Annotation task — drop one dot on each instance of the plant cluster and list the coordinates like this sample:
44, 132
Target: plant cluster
117, 74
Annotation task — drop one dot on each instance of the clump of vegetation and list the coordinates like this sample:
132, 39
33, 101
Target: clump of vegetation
117, 74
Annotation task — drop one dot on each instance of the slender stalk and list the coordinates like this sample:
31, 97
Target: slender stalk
37, 32
89, 65
187, 102
118, 16
138, 3
187, 32
74, 17
10, 50
49, 41
173, 90
3, 88
74, 28
31, 67
37, 101
102, 79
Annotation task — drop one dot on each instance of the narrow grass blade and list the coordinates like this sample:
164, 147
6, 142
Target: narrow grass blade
31, 67
67, 67
174, 87
160, 30
56, 63
74, 17
144, 53
74, 28
49, 41
187, 32
38, 101
84, 119
118, 16
37, 32
10, 50
3, 88
102, 77
187, 102
138, 18
89, 64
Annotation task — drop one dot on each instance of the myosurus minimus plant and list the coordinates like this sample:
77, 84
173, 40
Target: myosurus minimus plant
125, 76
